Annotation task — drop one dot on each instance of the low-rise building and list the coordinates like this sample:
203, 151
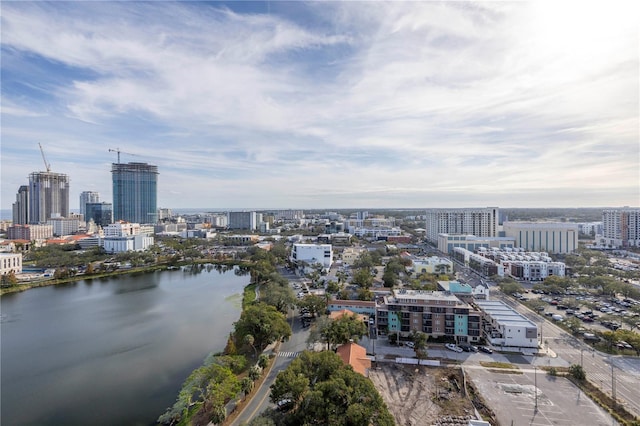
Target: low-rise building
363, 307
447, 242
356, 356
10, 263
307, 255
119, 244
505, 327
351, 254
431, 265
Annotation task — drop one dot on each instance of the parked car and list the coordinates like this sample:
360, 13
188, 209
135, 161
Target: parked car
485, 349
453, 347
284, 404
411, 345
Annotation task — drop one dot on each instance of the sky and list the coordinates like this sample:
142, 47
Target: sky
328, 104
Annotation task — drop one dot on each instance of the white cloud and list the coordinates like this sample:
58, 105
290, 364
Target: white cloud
407, 102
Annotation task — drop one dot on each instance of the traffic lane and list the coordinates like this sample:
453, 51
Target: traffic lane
296, 343
260, 400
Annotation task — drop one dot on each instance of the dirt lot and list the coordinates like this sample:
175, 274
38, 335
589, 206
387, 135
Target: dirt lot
418, 395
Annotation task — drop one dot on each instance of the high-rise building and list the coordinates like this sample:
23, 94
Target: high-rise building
242, 220
135, 192
101, 213
621, 228
481, 222
21, 206
48, 196
87, 197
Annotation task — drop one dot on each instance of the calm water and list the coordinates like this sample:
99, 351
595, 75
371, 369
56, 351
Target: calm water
112, 351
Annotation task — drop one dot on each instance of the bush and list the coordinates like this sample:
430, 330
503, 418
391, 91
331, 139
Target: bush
552, 372
577, 372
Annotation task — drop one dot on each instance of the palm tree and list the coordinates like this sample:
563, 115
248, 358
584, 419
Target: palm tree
249, 340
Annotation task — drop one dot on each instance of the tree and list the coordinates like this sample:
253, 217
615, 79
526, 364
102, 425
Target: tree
333, 287
508, 286
419, 340
577, 372
338, 331
365, 294
325, 391
362, 278
263, 361
250, 340
264, 323
247, 386
314, 303
279, 297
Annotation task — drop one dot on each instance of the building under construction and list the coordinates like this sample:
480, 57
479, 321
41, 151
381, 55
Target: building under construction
135, 192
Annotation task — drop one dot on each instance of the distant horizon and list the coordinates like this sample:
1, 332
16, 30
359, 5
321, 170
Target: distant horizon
6, 214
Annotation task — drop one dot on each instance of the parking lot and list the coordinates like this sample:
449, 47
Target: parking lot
535, 398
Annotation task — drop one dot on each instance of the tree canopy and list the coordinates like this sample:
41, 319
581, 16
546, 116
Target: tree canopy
338, 331
264, 322
325, 391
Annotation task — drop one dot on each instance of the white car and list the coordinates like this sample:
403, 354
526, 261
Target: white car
453, 347
411, 345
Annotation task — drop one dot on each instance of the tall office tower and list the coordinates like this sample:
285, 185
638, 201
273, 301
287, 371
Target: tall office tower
87, 197
48, 196
481, 222
242, 220
621, 227
135, 192
21, 206
101, 213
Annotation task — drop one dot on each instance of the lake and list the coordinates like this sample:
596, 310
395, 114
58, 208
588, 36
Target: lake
113, 350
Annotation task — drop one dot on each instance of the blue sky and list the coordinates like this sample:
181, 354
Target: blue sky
328, 104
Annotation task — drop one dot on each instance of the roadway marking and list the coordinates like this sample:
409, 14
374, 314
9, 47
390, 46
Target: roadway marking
288, 354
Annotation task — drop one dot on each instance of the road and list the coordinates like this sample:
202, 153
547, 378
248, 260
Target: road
287, 353
616, 375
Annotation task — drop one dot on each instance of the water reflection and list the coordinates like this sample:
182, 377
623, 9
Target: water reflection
114, 353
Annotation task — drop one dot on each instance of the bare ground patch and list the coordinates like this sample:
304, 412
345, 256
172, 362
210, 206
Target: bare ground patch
418, 395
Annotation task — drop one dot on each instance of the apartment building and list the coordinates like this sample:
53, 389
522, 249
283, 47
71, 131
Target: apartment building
30, 232
481, 222
64, 225
620, 228
481, 264
436, 313
242, 220
447, 242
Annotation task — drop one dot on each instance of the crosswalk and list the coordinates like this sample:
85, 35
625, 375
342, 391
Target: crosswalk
289, 354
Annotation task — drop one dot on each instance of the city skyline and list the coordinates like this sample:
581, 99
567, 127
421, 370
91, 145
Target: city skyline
327, 104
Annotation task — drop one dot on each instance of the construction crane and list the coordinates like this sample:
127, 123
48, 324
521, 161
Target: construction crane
46, 165
117, 150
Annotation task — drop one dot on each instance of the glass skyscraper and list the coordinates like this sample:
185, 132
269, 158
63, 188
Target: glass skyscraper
101, 213
87, 197
135, 192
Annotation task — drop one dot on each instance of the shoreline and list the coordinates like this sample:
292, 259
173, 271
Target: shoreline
17, 288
